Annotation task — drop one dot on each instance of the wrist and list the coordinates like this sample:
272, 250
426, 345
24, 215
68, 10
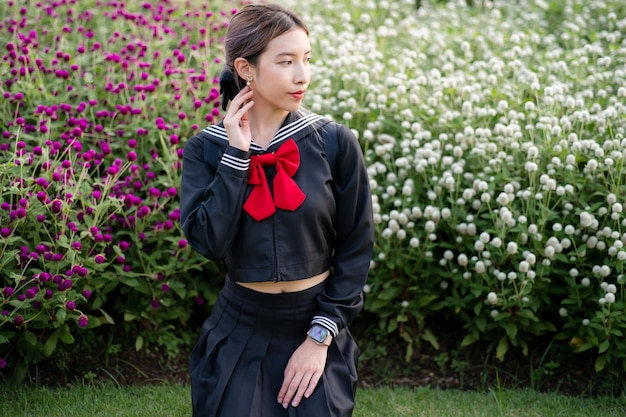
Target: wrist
319, 335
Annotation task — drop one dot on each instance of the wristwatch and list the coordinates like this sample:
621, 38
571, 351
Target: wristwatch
320, 335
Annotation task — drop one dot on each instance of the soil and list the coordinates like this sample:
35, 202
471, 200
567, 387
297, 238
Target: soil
448, 367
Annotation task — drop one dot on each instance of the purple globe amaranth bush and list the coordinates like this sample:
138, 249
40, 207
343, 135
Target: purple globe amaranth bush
89, 168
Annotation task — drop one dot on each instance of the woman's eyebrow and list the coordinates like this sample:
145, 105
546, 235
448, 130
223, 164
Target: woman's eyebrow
287, 54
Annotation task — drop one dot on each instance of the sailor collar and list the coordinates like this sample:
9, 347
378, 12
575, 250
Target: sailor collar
295, 126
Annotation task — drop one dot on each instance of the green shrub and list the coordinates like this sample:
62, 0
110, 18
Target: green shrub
495, 142
90, 167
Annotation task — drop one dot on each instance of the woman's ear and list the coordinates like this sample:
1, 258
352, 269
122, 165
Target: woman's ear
243, 68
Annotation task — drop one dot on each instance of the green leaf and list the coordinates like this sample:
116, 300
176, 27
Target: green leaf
61, 315
130, 316
604, 346
428, 336
511, 330
30, 338
131, 282
139, 343
503, 347
66, 336
469, 339
600, 363
481, 323
51, 344
106, 316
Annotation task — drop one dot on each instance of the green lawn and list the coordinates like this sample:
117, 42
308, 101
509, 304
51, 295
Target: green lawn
173, 401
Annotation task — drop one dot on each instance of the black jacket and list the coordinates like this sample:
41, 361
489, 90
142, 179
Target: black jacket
333, 228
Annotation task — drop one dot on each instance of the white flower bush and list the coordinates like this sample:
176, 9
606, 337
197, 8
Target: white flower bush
510, 119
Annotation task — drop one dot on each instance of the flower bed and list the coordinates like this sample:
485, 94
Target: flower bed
494, 137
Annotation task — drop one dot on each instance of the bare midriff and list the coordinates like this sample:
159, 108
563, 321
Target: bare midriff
278, 287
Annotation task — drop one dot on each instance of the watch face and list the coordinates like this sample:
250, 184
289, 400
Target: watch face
318, 333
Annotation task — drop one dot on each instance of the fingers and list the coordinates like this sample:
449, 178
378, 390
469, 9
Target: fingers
239, 106
236, 119
295, 386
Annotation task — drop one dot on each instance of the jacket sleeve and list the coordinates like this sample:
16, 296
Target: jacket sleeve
354, 237
212, 193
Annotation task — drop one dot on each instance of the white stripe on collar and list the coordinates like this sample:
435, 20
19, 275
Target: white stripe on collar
283, 133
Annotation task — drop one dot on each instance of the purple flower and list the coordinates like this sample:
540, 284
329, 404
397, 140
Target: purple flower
56, 207
3, 363
155, 304
5, 232
165, 287
99, 259
18, 320
83, 320
70, 305
182, 243
8, 291
86, 294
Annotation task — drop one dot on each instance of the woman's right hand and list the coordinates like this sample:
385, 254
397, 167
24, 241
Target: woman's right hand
236, 119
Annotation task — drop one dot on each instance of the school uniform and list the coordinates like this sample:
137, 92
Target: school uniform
284, 213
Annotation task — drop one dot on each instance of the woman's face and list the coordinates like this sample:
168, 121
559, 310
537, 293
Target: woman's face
282, 73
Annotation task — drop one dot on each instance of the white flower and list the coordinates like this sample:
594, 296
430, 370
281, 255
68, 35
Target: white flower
367, 289
524, 266
462, 259
586, 322
404, 304
563, 312
480, 267
585, 219
511, 248
492, 298
609, 297
503, 199
414, 242
573, 272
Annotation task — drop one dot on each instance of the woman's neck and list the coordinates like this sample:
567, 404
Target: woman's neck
265, 124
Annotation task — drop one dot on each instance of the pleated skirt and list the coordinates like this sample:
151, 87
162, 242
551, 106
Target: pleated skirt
238, 363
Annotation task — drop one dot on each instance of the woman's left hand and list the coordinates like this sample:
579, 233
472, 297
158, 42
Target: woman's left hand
303, 372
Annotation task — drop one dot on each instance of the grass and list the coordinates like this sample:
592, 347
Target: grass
173, 401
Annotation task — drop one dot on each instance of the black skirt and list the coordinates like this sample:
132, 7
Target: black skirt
238, 363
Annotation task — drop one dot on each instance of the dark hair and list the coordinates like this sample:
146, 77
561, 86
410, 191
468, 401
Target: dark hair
249, 32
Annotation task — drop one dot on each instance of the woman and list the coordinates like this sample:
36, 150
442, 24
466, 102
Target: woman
293, 227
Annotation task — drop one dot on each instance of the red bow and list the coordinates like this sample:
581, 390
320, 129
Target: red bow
287, 194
